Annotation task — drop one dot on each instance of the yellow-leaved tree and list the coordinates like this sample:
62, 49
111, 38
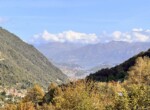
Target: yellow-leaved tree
140, 72
34, 95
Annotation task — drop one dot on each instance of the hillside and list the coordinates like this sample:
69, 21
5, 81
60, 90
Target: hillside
131, 94
22, 65
119, 72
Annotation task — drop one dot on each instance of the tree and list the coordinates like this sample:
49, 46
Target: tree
51, 91
139, 96
78, 96
140, 72
34, 95
25, 106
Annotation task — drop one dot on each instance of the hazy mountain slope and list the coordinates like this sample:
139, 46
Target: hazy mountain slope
22, 63
73, 58
118, 72
108, 53
111, 53
54, 50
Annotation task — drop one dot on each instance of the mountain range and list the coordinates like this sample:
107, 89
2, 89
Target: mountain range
23, 65
92, 57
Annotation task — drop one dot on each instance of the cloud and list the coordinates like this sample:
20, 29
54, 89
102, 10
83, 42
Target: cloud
135, 35
66, 36
117, 34
137, 29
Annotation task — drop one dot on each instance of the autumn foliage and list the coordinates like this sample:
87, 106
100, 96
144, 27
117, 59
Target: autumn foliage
132, 94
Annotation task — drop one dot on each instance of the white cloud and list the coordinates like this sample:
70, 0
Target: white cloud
135, 35
137, 29
66, 36
141, 37
117, 34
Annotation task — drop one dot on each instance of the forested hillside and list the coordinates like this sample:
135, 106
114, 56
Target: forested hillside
22, 65
131, 93
119, 72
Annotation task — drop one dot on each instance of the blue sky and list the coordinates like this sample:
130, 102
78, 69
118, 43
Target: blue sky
27, 18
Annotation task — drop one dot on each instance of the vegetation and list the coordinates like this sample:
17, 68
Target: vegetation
117, 73
132, 94
124, 87
22, 65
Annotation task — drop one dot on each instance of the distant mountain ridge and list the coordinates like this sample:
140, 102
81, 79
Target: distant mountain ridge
119, 72
89, 56
55, 49
24, 65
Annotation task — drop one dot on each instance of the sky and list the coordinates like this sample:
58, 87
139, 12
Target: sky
83, 21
